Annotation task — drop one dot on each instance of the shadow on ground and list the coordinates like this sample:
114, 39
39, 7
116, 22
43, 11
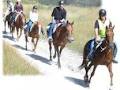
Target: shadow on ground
76, 81
40, 58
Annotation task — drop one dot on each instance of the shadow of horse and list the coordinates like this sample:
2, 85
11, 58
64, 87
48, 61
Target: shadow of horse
40, 58
8, 37
20, 47
76, 81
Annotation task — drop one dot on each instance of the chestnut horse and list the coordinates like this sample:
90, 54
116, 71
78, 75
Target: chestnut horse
34, 34
60, 38
103, 55
18, 25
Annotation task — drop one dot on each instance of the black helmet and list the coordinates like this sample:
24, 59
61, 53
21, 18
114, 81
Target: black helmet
102, 12
61, 2
8, 1
34, 7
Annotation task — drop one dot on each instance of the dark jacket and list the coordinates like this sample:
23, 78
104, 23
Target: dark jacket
18, 8
59, 13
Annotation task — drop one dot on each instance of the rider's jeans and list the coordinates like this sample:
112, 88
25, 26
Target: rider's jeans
29, 25
50, 30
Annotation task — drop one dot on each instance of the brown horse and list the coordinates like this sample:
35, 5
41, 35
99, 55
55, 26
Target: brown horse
61, 37
103, 55
34, 34
18, 25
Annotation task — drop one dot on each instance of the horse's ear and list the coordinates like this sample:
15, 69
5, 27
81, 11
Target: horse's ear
72, 23
67, 21
113, 27
107, 27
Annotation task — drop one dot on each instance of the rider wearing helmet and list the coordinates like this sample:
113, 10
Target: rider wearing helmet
18, 9
100, 32
58, 16
33, 18
10, 8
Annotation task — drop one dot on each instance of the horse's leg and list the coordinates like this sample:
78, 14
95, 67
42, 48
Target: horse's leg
35, 45
26, 40
50, 49
20, 33
86, 70
12, 31
5, 26
54, 53
17, 29
111, 73
58, 54
61, 48
93, 72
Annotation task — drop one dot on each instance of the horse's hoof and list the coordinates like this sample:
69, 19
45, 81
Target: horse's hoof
59, 67
86, 79
87, 84
54, 57
111, 88
81, 67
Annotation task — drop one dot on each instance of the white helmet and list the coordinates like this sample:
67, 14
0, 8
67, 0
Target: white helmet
18, 0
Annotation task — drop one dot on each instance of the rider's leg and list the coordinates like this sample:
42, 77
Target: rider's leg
92, 48
30, 25
50, 31
13, 19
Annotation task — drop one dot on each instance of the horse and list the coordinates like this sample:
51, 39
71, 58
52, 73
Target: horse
103, 55
8, 21
18, 25
60, 37
34, 34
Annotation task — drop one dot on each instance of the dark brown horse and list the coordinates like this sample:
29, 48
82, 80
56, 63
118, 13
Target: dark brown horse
61, 37
34, 34
18, 25
7, 20
103, 55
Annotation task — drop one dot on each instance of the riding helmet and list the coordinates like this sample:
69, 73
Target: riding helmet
61, 2
102, 12
34, 7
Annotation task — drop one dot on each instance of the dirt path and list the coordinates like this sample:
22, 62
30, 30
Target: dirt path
64, 78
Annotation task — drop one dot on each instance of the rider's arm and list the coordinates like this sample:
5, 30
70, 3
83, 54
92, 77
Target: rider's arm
53, 15
21, 7
15, 7
96, 30
64, 14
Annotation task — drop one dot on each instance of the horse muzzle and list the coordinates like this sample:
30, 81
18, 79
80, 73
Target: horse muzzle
70, 39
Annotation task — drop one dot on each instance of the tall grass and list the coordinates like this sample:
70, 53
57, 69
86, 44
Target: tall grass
14, 64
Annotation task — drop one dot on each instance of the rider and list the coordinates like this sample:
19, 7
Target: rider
58, 16
10, 8
18, 9
100, 28
33, 19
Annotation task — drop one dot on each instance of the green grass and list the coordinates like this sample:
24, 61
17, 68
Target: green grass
14, 64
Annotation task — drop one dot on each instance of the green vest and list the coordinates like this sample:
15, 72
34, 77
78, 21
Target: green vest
102, 28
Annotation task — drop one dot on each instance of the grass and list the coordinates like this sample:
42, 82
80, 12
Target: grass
14, 64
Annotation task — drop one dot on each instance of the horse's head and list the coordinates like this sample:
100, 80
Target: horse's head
69, 28
109, 35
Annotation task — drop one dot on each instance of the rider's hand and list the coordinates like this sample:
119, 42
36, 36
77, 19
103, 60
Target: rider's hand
63, 20
98, 38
